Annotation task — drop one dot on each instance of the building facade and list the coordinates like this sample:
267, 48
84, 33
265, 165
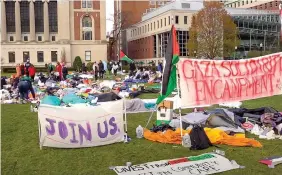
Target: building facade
253, 4
44, 31
148, 39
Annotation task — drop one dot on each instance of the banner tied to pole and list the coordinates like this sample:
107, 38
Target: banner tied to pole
207, 82
196, 165
75, 127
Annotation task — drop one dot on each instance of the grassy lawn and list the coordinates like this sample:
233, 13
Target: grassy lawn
21, 153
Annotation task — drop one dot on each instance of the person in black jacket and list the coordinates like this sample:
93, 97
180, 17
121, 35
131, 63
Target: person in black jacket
65, 72
101, 69
83, 68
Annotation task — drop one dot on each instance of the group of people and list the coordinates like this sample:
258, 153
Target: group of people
61, 71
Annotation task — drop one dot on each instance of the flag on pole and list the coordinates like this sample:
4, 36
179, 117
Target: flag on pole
169, 82
123, 57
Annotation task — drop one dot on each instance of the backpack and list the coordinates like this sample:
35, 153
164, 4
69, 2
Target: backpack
199, 139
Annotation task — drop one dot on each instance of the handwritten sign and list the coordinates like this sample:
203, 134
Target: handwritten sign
75, 127
206, 82
214, 164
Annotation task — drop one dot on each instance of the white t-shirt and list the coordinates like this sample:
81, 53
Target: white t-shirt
115, 66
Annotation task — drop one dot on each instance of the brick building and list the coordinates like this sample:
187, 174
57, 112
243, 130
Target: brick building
253, 4
147, 39
43, 30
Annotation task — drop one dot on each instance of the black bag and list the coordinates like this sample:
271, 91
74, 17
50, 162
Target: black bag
199, 139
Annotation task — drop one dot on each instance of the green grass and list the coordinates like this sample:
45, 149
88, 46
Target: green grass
21, 153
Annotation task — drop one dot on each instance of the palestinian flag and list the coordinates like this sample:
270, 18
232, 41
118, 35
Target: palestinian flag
123, 57
169, 82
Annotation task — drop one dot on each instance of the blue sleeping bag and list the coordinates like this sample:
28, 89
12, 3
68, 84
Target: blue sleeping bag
71, 98
51, 100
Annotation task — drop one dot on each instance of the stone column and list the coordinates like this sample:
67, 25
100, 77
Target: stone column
46, 21
3, 21
157, 46
18, 21
31, 20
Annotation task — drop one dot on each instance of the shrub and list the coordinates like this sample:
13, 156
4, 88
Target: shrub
89, 66
77, 64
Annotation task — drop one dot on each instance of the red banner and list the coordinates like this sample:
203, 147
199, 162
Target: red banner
206, 82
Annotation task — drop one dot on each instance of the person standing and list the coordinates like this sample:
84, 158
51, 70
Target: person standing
64, 71
110, 66
32, 72
83, 68
22, 69
101, 69
59, 70
95, 70
27, 65
115, 68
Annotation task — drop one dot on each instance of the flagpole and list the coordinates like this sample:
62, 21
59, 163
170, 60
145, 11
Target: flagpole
179, 103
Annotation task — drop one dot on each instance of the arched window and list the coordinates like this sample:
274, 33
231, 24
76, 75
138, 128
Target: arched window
87, 28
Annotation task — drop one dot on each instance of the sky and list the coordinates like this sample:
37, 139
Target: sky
109, 14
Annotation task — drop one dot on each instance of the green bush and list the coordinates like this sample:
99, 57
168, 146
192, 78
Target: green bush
256, 53
89, 66
77, 64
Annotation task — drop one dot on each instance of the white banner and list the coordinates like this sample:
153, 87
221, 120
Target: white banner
75, 127
207, 82
214, 164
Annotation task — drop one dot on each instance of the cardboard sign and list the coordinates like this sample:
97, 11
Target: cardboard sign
214, 164
206, 82
75, 127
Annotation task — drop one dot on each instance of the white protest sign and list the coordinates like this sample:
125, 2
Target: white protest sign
212, 165
75, 127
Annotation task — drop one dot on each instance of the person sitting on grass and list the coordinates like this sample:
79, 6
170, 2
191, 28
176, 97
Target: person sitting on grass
24, 86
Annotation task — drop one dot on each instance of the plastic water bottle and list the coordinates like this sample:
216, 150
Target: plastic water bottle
186, 141
139, 132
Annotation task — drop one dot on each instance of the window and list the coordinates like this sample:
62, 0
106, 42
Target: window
185, 19
24, 10
12, 57
152, 2
270, 4
25, 56
168, 20
176, 20
247, 2
87, 28
11, 38
235, 5
87, 55
154, 25
39, 38
148, 28
54, 56
39, 17
185, 5
40, 57
239, 4
53, 38
164, 21
10, 16
161, 23
86, 3
53, 16
25, 38
151, 27
243, 2
158, 24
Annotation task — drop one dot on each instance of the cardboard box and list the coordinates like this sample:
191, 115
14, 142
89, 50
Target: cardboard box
166, 104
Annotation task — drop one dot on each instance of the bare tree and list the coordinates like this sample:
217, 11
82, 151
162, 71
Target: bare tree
118, 27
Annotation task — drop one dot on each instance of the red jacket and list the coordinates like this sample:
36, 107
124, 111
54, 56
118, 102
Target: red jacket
59, 69
31, 71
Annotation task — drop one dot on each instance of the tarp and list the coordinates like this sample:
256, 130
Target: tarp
220, 81
83, 126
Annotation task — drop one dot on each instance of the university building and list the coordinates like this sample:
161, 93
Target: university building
46, 30
253, 4
147, 39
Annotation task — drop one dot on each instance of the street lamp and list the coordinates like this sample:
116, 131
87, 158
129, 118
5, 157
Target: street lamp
195, 53
261, 45
235, 52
